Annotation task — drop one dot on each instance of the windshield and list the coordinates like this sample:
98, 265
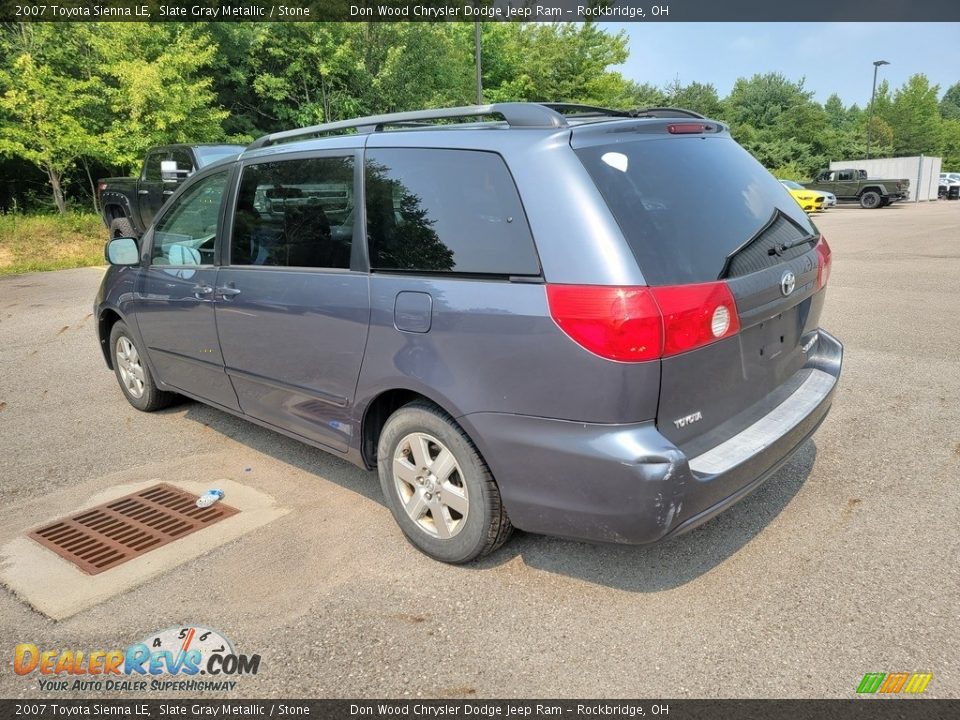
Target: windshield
209, 154
680, 233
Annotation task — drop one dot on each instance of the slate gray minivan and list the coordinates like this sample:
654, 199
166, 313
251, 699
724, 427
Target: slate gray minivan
522, 316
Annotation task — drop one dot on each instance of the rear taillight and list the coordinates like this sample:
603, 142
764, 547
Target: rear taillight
633, 324
617, 323
824, 262
101, 187
695, 315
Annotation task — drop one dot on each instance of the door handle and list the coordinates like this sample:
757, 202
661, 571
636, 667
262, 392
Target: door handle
168, 192
143, 192
228, 292
200, 290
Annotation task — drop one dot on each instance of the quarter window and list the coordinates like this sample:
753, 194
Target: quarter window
295, 213
186, 234
445, 211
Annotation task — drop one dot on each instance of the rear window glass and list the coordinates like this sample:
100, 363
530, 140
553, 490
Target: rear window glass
686, 204
445, 211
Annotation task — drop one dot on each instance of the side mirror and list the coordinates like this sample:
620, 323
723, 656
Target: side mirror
171, 173
122, 251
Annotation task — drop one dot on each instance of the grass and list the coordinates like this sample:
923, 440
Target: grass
34, 243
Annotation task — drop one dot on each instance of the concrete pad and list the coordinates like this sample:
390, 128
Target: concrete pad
58, 589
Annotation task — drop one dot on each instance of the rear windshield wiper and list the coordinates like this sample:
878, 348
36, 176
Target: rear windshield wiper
781, 248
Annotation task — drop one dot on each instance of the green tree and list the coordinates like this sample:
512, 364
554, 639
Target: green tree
561, 62
699, 97
156, 86
950, 103
778, 121
951, 144
50, 118
914, 117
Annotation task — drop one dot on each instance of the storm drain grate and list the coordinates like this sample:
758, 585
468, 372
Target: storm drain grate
108, 535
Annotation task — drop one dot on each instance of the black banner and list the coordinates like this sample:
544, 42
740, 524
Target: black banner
478, 10
853, 709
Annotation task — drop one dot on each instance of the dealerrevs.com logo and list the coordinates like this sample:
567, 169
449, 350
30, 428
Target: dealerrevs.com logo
185, 659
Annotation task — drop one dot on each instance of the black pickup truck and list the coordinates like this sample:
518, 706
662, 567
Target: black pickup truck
129, 204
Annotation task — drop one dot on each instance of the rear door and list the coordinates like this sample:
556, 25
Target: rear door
846, 183
293, 294
734, 229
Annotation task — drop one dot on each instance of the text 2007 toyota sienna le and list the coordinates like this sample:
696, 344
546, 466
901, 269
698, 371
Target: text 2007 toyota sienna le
526, 319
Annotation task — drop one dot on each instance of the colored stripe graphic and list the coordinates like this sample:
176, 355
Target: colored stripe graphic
871, 682
893, 683
918, 682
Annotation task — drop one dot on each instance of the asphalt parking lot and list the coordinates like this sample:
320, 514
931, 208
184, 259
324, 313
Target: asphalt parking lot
846, 562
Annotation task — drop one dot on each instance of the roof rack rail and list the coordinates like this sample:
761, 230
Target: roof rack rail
665, 112
578, 110
527, 115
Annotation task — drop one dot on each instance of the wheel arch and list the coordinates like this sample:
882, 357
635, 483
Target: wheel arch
115, 205
380, 408
112, 211
105, 322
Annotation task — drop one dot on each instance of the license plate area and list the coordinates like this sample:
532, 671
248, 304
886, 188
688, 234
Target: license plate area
771, 348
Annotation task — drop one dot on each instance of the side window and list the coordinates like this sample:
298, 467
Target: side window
151, 166
184, 163
295, 213
445, 211
185, 235
846, 175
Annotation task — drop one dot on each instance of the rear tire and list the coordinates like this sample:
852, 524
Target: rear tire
437, 486
122, 227
870, 200
132, 372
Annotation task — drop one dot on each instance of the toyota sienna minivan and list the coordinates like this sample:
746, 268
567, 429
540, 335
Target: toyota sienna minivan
521, 315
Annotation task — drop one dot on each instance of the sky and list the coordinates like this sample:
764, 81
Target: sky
834, 57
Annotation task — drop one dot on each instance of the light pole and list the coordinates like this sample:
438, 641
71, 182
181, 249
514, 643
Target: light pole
876, 64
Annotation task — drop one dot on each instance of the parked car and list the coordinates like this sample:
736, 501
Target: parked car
950, 176
809, 200
853, 185
129, 204
519, 322
949, 188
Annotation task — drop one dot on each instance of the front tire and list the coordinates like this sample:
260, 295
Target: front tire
132, 372
437, 486
870, 200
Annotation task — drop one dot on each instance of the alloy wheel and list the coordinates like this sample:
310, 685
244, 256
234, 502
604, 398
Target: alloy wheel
130, 367
430, 485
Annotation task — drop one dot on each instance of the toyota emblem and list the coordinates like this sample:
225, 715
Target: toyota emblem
787, 283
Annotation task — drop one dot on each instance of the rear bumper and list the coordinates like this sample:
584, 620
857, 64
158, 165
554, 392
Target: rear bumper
628, 483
